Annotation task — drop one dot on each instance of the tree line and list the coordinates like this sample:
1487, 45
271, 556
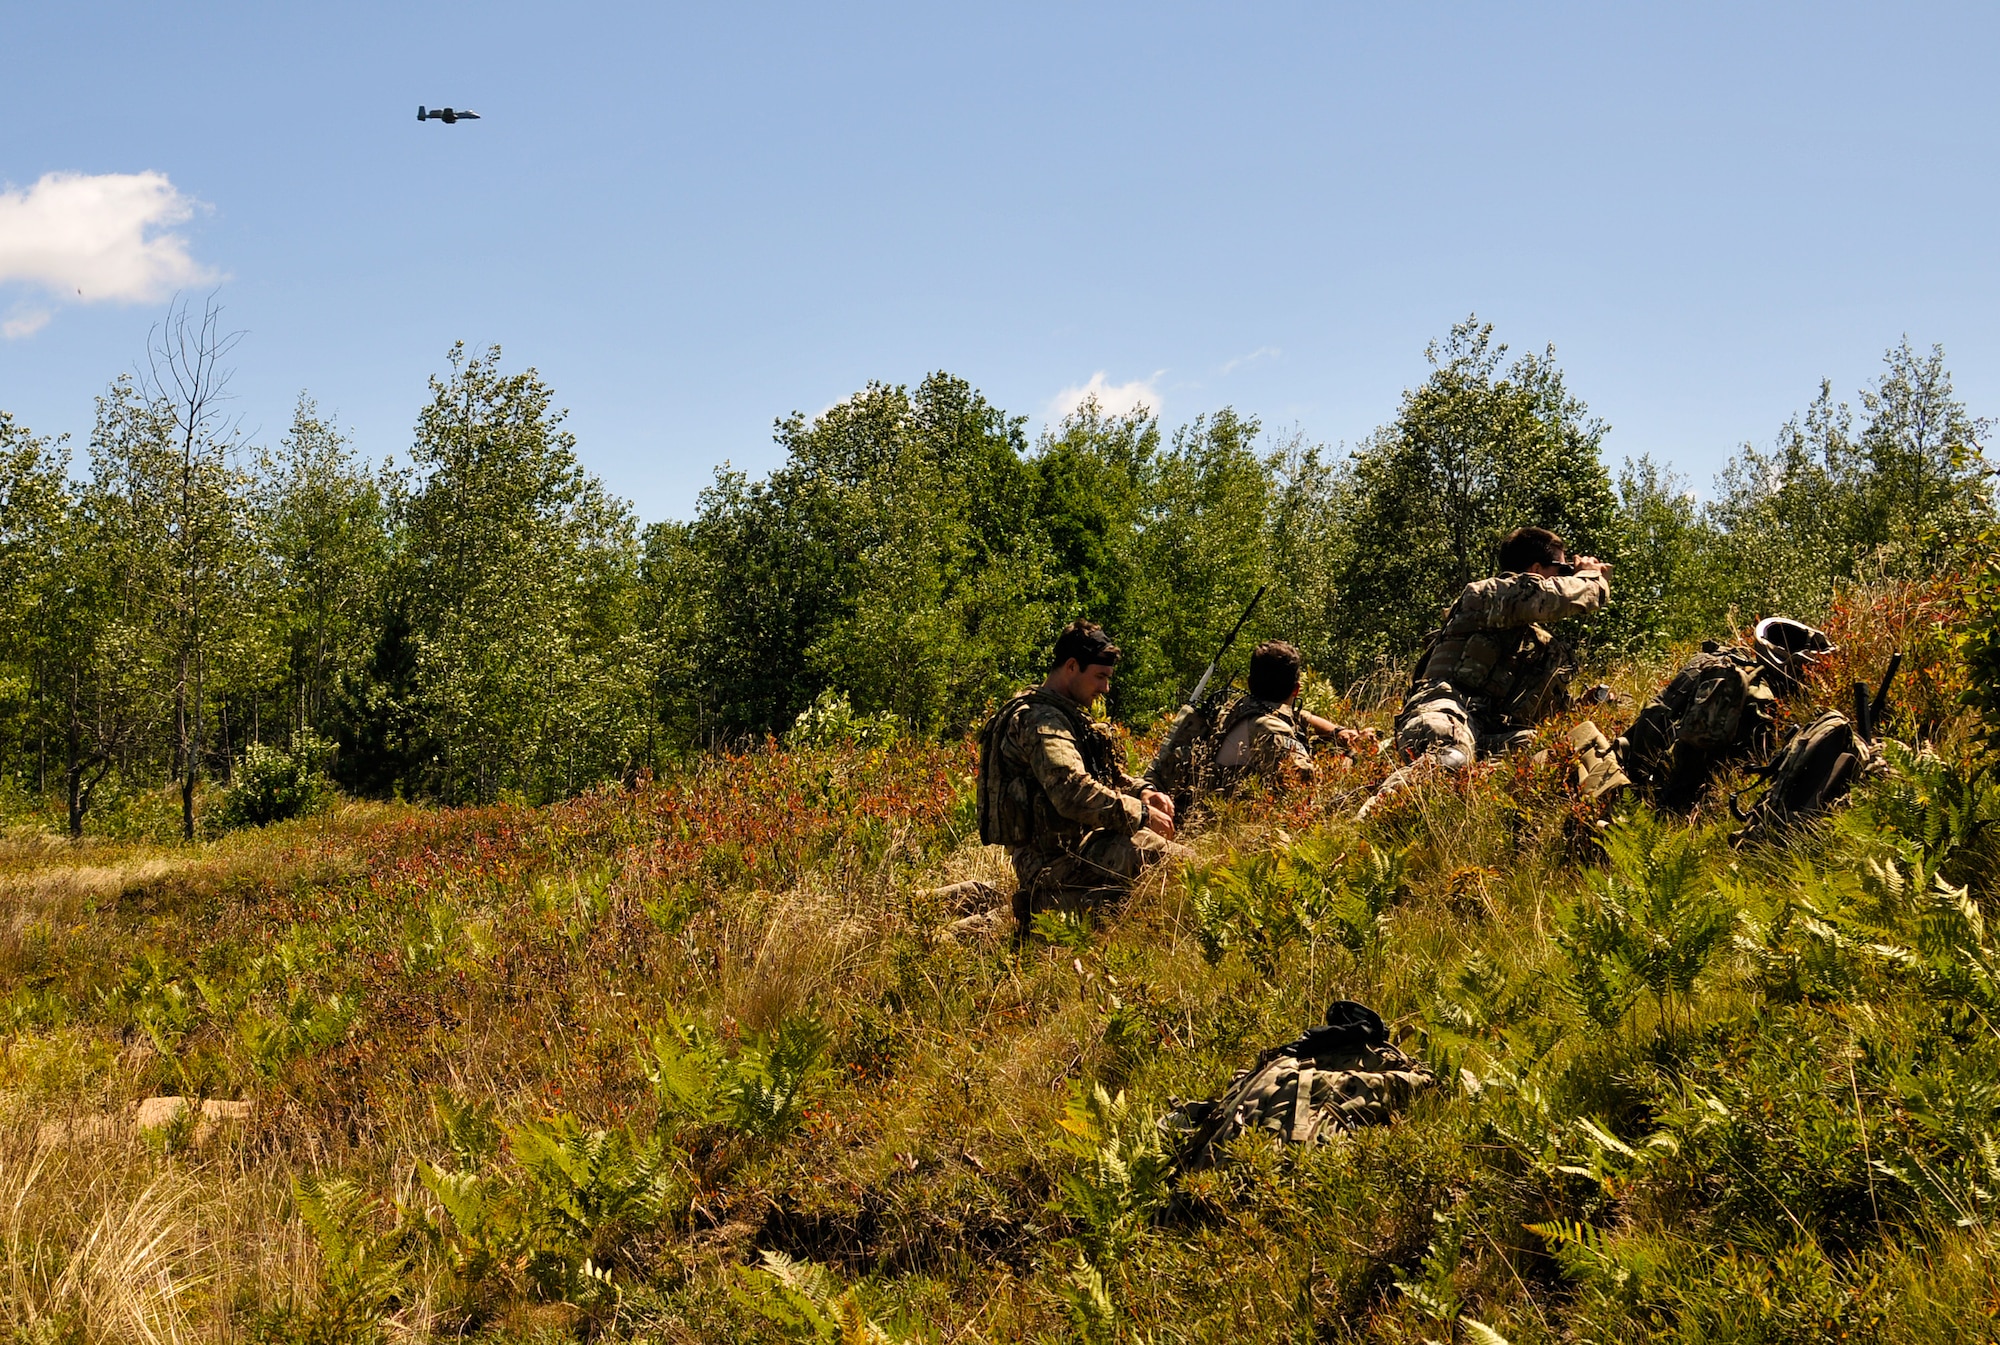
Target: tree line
484, 620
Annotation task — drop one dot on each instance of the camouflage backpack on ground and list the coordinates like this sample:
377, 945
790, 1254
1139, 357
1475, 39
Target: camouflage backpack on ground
1814, 770
1335, 1078
1717, 706
1817, 765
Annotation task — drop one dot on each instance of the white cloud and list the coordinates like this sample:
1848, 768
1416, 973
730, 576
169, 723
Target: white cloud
1260, 353
24, 320
92, 238
1114, 399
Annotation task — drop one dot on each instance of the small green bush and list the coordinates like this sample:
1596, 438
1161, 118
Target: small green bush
274, 784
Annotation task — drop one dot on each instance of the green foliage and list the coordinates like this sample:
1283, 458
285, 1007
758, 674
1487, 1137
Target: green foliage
1122, 1175
1477, 449
361, 1270
759, 1092
804, 1302
584, 1190
1979, 640
487, 623
299, 1024
1318, 890
831, 719
1649, 921
276, 784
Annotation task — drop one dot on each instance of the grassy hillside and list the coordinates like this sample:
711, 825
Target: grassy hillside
696, 1061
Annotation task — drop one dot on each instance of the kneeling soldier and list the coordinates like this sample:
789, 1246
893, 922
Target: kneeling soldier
1052, 790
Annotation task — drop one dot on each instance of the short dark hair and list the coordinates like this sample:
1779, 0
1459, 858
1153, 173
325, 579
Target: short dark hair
1524, 547
1274, 670
1086, 642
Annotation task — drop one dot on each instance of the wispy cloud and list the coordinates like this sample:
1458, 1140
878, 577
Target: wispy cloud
1260, 353
1115, 399
94, 238
24, 320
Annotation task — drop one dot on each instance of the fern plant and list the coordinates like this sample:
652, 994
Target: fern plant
804, 1302
361, 1270
1648, 922
761, 1092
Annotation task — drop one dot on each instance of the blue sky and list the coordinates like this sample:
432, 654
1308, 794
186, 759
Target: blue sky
695, 220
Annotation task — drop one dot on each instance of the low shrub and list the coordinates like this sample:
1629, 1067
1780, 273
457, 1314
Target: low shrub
276, 784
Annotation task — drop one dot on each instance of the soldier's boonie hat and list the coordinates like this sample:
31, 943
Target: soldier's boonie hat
1786, 644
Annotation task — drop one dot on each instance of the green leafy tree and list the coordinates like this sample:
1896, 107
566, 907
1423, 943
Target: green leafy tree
509, 658
324, 522
1201, 556
188, 471
1926, 490
1786, 516
36, 505
889, 557
1668, 585
1478, 448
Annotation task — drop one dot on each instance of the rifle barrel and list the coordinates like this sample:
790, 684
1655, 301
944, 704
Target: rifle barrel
1202, 683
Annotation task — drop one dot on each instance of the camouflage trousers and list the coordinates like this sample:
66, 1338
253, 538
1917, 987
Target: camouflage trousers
1435, 730
1096, 874
1434, 722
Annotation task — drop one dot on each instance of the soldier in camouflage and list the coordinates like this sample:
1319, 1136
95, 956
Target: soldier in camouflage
1078, 828
1493, 671
1264, 735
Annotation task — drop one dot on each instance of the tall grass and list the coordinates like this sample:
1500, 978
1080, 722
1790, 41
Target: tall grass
700, 1061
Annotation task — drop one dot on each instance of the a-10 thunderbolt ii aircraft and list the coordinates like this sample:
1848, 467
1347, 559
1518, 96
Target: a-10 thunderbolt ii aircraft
448, 116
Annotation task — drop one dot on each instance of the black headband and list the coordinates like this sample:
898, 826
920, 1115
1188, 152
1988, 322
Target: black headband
1098, 649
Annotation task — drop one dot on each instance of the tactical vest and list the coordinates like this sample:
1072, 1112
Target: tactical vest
1014, 809
1214, 775
1333, 1079
1506, 676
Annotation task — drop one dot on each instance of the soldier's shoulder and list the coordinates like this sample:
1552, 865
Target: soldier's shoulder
1278, 720
1037, 714
1497, 591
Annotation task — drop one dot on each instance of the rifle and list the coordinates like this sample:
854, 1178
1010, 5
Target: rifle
1173, 765
1194, 697
1867, 711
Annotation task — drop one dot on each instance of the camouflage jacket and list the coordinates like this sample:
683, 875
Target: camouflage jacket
1259, 738
1057, 777
1494, 648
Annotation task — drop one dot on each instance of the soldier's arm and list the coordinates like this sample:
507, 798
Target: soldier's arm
1543, 599
1051, 754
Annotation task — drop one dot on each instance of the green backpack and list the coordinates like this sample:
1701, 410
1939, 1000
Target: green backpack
1810, 775
1335, 1078
1182, 758
1816, 766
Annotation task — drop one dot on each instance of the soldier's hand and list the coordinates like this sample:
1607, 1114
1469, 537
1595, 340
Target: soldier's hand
1160, 814
1361, 742
1592, 565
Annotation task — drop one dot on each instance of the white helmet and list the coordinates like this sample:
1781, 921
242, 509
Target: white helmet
1789, 647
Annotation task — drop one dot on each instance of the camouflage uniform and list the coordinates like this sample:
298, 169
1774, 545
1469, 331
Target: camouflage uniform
1258, 739
1491, 672
1073, 821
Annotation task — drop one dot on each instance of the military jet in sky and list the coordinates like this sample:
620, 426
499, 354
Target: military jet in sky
446, 115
